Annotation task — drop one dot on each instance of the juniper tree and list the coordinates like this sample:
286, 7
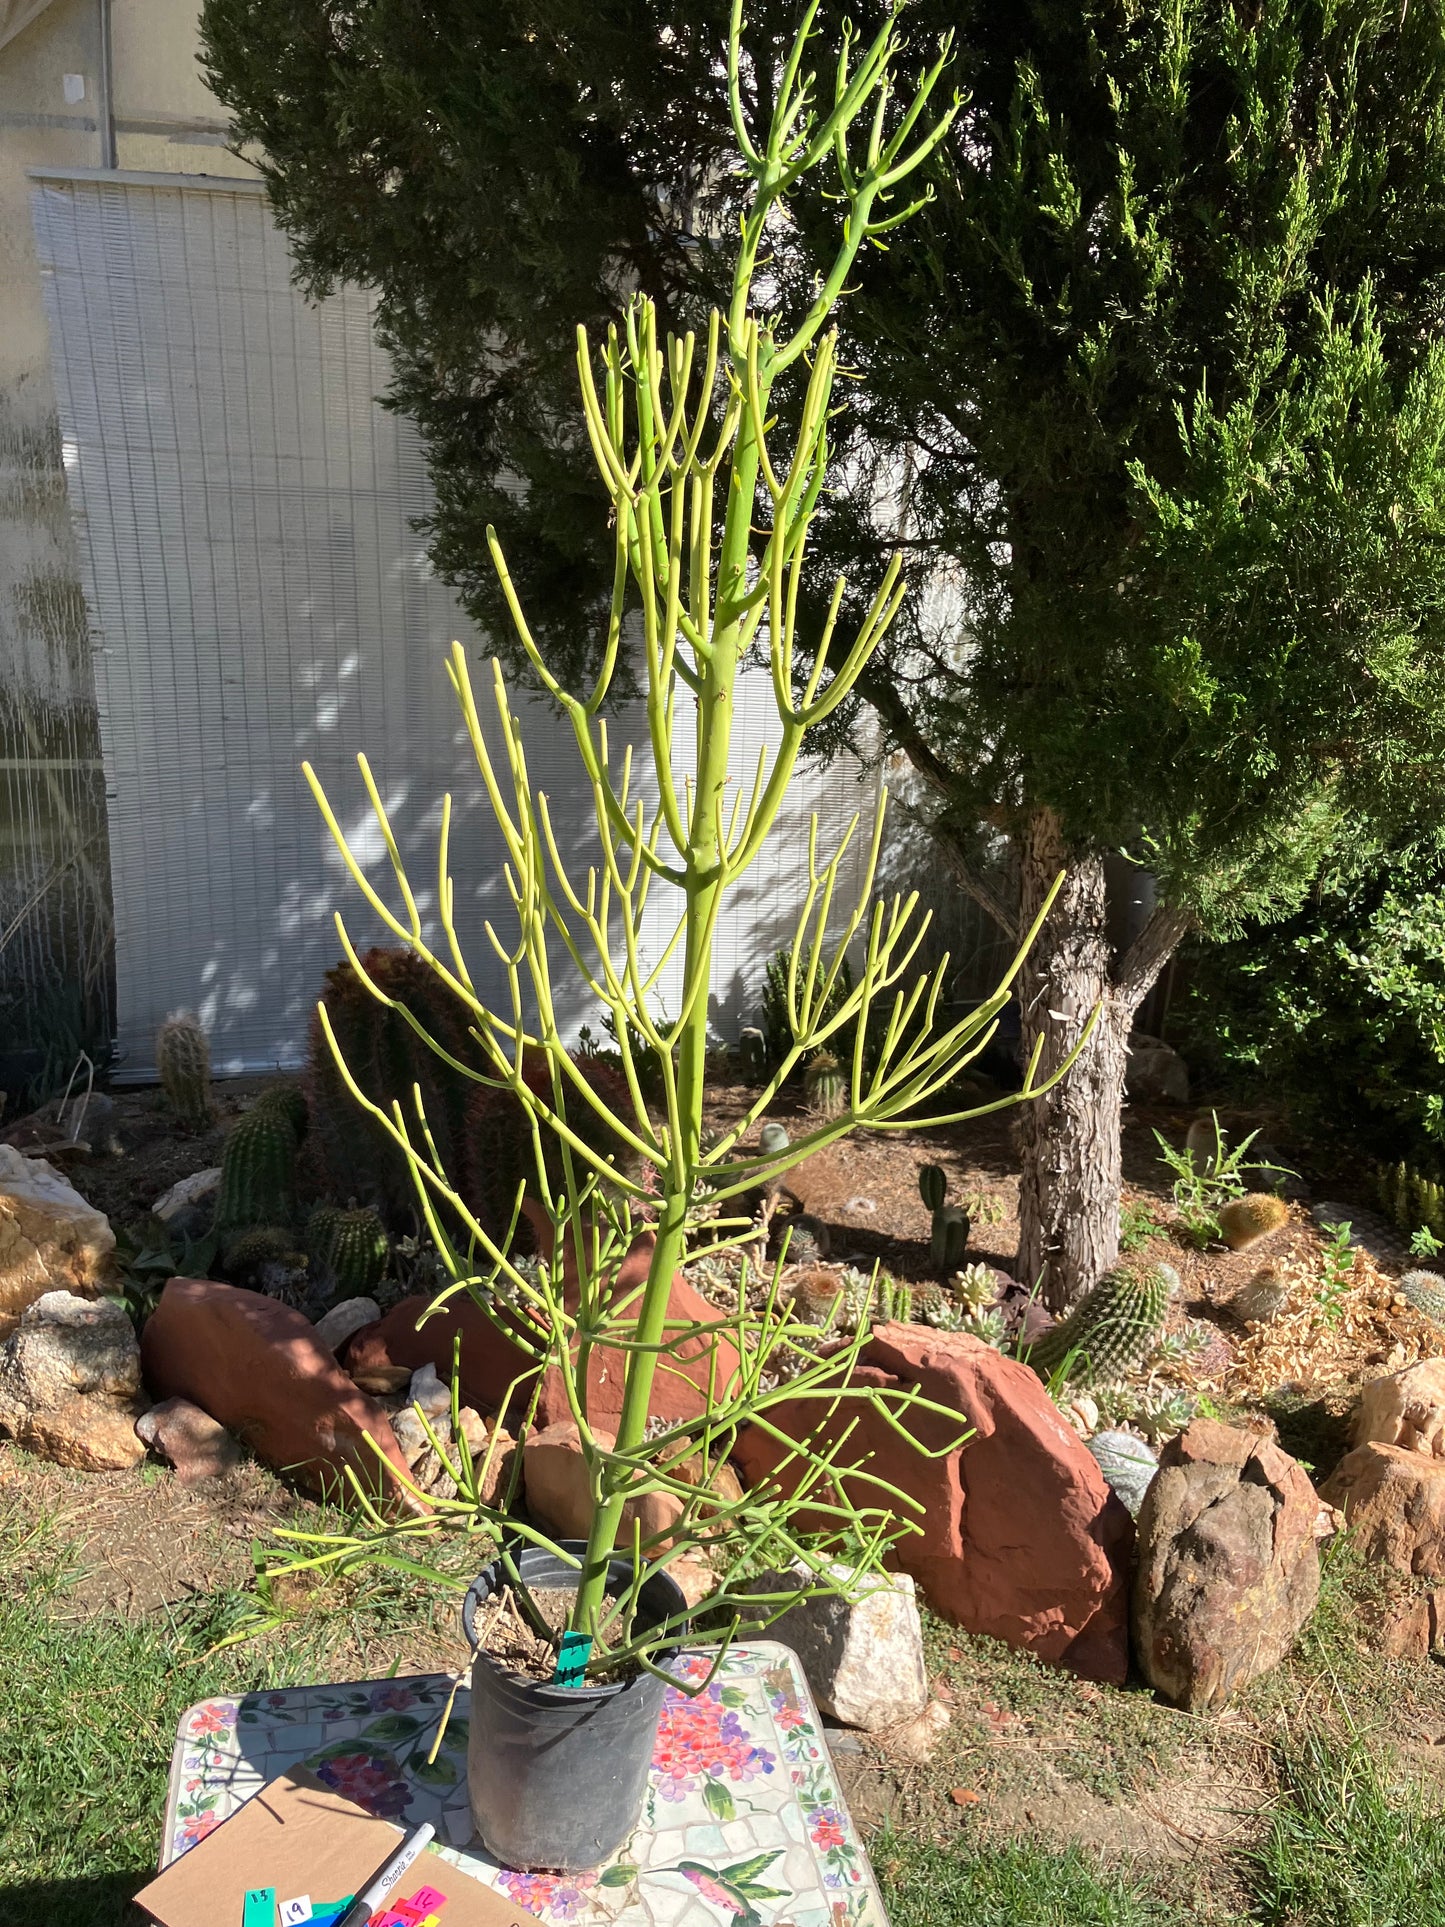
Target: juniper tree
1153, 389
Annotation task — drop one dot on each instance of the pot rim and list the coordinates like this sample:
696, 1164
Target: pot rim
548, 1689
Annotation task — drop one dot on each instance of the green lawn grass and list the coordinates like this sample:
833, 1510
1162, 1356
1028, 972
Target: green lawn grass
91, 1700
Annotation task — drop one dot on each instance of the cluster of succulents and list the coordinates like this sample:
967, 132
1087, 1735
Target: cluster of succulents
1156, 1412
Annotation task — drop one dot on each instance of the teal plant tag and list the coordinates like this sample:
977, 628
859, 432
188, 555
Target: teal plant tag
572, 1659
260, 1908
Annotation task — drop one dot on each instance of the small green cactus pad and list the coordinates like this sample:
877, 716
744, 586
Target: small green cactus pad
183, 1059
1263, 1298
258, 1172
1425, 1291
1244, 1221
932, 1185
1127, 1463
1112, 1329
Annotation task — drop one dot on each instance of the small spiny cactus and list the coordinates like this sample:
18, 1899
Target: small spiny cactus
772, 1140
1244, 1221
258, 1172
949, 1238
932, 1185
1412, 1200
263, 1257
1425, 1291
183, 1058
350, 1246
825, 1086
753, 1051
1112, 1329
1263, 1298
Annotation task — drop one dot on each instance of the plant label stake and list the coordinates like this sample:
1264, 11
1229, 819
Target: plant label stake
572, 1659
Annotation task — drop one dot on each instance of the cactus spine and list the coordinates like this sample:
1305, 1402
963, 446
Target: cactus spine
183, 1058
948, 1237
1113, 1328
1425, 1291
825, 1087
350, 1246
258, 1172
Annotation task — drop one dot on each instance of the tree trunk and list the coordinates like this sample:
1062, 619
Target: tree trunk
1070, 1138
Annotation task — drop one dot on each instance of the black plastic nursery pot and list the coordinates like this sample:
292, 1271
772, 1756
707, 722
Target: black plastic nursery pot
557, 1774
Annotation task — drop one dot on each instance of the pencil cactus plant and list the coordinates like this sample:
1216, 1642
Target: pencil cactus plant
711, 521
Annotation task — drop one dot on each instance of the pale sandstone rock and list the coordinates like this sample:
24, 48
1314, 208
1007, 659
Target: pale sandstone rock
50, 1238
70, 1383
188, 1439
864, 1656
344, 1320
1406, 1409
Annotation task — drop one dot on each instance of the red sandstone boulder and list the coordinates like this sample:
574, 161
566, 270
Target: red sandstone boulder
257, 1367
1021, 1537
491, 1362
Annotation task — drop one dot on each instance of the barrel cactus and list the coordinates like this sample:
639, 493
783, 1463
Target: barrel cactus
183, 1058
1112, 1329
1244, 1221
1263, 1298
388, 1060
258, 1172
349, 1248
825, 1086
1128, 1464
265, 1258
290, 1101
1425, 1291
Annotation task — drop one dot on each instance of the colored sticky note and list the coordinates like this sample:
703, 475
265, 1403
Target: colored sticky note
572, 1659
295, 1912
326, 1913
427, 1900
260, 1908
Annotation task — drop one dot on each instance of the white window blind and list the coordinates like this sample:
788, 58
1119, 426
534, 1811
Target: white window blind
258, 595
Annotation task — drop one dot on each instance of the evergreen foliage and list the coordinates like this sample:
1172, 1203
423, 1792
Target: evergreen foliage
1152, 391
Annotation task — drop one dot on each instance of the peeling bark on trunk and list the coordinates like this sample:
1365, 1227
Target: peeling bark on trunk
1070, 1138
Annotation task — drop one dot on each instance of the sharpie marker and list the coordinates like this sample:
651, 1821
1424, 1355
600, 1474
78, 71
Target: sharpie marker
366, 1904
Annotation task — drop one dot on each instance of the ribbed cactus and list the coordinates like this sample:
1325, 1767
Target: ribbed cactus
1113, 1328
387, 1059
258, 1172
1425, 1290
825, 1086
290, 1101
263, 1257
349, 1247
1244, 1221
753, 1051
501, 1155
183, 1058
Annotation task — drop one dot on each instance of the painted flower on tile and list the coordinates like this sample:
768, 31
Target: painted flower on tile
703, 1738
215, 1716
827, 1829
372, 1780
555, 1896
195, 1828
392, 1696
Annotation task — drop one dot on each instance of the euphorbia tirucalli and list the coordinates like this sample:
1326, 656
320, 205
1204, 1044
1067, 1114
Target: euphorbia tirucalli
710, 524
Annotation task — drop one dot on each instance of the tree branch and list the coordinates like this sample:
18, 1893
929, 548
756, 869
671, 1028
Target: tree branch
1138, 969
